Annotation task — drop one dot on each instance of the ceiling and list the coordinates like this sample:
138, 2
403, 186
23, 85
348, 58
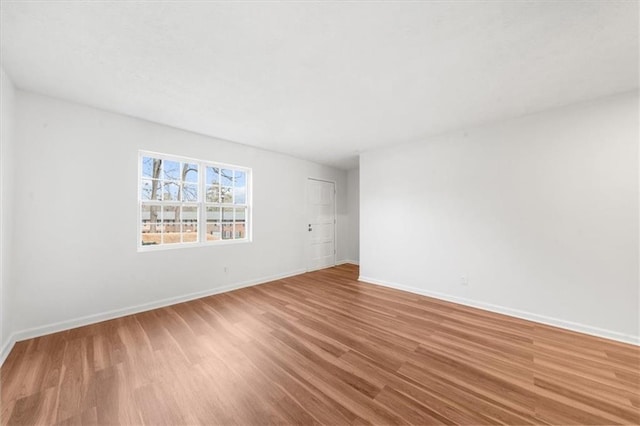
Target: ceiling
322, 80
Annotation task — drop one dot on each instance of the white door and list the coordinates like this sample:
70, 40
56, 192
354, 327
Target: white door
321, 211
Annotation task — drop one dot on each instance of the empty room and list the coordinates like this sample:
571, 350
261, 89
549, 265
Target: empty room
320, 212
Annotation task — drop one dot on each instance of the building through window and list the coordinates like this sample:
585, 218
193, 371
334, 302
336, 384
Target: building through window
186, 202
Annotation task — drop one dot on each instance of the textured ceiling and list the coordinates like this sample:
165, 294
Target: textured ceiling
322, 80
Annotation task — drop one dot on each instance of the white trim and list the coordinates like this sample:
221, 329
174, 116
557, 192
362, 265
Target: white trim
6, 349
117, 313
131, 310
162, 247
335, 222
174, 157
345, 261
201, 203
556, 322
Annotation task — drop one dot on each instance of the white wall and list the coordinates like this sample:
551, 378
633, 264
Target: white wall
353, 193
540, 213
7, 118
75, 217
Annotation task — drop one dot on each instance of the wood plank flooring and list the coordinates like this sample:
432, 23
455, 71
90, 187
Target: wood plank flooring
320, 348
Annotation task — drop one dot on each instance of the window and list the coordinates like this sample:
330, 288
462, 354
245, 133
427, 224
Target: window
185, 202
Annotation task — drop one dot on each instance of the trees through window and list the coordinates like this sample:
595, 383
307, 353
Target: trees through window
186, 202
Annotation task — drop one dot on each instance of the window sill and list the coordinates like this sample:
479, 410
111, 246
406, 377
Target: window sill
161, 247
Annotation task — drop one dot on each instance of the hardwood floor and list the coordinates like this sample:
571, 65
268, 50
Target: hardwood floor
320, 348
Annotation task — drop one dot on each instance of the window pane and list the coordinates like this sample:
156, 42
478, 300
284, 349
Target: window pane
240, 222
240, 178
226, 194
189, 232
213, 175
150, 228
227, 214
240, 214
171, 227
151, 189
190, 172
145, 189
149, 165
170, 191
172, 197
189, 214
170, 231
213, 214
170, 214
213, 194
190, 192
171, 170
227, 231
239, 229
240, 195
150, 213
227, 177
171, 235
213, 231
151, 234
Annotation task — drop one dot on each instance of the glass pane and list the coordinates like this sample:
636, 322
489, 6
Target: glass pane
226, 194
190, 172
227, 231
213, 231
227, 177
145, 189
213, 214
240, 178
189, 214
213, 175
190, 192
150, 214
171, 234
240, 223
149, 165
189, 232
240, 195
170, 191
239, 229
171, 227
170, 214
227, 214
151, 189
240, 214
171, 170
213, 194
151, 234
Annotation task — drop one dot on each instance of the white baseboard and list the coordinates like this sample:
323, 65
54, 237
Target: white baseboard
117, 313
6, 348
342, 262
573, 326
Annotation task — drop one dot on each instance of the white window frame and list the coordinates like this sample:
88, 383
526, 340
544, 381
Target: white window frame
201, 203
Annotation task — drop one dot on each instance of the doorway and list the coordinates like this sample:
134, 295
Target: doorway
321, 224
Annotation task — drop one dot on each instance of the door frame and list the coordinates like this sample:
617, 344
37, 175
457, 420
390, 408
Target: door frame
335, 222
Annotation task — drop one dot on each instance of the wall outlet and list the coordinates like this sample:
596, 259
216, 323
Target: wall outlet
226, 269
464, 280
